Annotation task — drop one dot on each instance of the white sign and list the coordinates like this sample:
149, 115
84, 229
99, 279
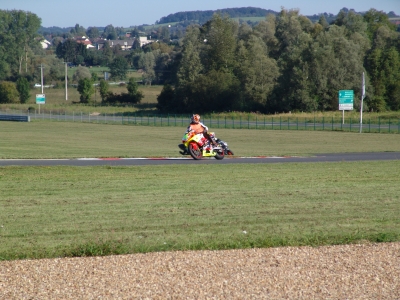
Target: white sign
40, 98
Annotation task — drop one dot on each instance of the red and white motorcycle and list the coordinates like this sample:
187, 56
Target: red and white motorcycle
198, 146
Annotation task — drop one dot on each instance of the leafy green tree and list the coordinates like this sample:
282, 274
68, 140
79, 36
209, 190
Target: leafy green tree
104, 89
376, 19
110, 33
93, 32
54, 73
78, 30
95, 77
81, 73
147, 62
220, 43
215, 91
292, 90
257, 73
8, 92
67, 51
108, 54
85, 89
336, 64
119, 67
266, 30
133, 91
164, 34
18, 30
23, 89
190, 65
165, 101
5, 70
383, 66
136, 44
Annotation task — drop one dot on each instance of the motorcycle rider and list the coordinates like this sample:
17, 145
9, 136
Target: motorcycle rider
198, 127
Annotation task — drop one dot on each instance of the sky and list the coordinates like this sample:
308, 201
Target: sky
126, 13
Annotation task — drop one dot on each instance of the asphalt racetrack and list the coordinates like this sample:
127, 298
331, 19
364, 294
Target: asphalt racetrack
83, 162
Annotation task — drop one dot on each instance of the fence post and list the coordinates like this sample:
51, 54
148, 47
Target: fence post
389, 125
280, 123
272, 123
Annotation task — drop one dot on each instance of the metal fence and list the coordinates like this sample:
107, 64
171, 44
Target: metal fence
370, 125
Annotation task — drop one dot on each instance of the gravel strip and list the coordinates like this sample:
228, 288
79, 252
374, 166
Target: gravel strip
365, 271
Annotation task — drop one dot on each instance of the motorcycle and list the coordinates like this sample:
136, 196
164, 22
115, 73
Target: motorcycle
198, 146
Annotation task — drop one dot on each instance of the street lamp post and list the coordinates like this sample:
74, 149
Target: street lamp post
66, 81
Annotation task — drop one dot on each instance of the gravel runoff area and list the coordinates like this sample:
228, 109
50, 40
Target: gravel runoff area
362, 271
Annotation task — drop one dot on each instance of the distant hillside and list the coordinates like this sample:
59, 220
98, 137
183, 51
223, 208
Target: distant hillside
247, 14
202, 16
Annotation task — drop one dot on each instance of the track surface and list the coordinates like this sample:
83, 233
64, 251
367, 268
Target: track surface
335, 157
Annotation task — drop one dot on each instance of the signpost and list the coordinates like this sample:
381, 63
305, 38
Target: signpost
346, 101
40, 99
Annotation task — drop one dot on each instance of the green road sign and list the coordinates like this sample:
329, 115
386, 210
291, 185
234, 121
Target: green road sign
40, 98
346, 99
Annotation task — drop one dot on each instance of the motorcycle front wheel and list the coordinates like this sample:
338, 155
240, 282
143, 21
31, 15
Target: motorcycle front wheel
195, 151
220, 155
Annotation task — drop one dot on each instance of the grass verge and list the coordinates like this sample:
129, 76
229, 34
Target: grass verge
84, 211
75, 140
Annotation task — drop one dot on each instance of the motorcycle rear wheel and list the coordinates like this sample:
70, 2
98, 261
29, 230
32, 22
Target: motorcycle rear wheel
195, 151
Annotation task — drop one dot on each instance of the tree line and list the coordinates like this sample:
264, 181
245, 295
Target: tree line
283, 63
286, 63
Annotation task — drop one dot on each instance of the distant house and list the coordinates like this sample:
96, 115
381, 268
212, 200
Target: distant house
125, 44
84, 40
144, 41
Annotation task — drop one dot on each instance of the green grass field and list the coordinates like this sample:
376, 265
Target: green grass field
83, 211
73, 211
72, 140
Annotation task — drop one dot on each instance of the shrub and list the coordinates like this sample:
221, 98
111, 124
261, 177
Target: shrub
8, 92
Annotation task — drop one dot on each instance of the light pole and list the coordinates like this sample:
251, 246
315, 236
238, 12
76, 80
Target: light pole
41, 76
66, 81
